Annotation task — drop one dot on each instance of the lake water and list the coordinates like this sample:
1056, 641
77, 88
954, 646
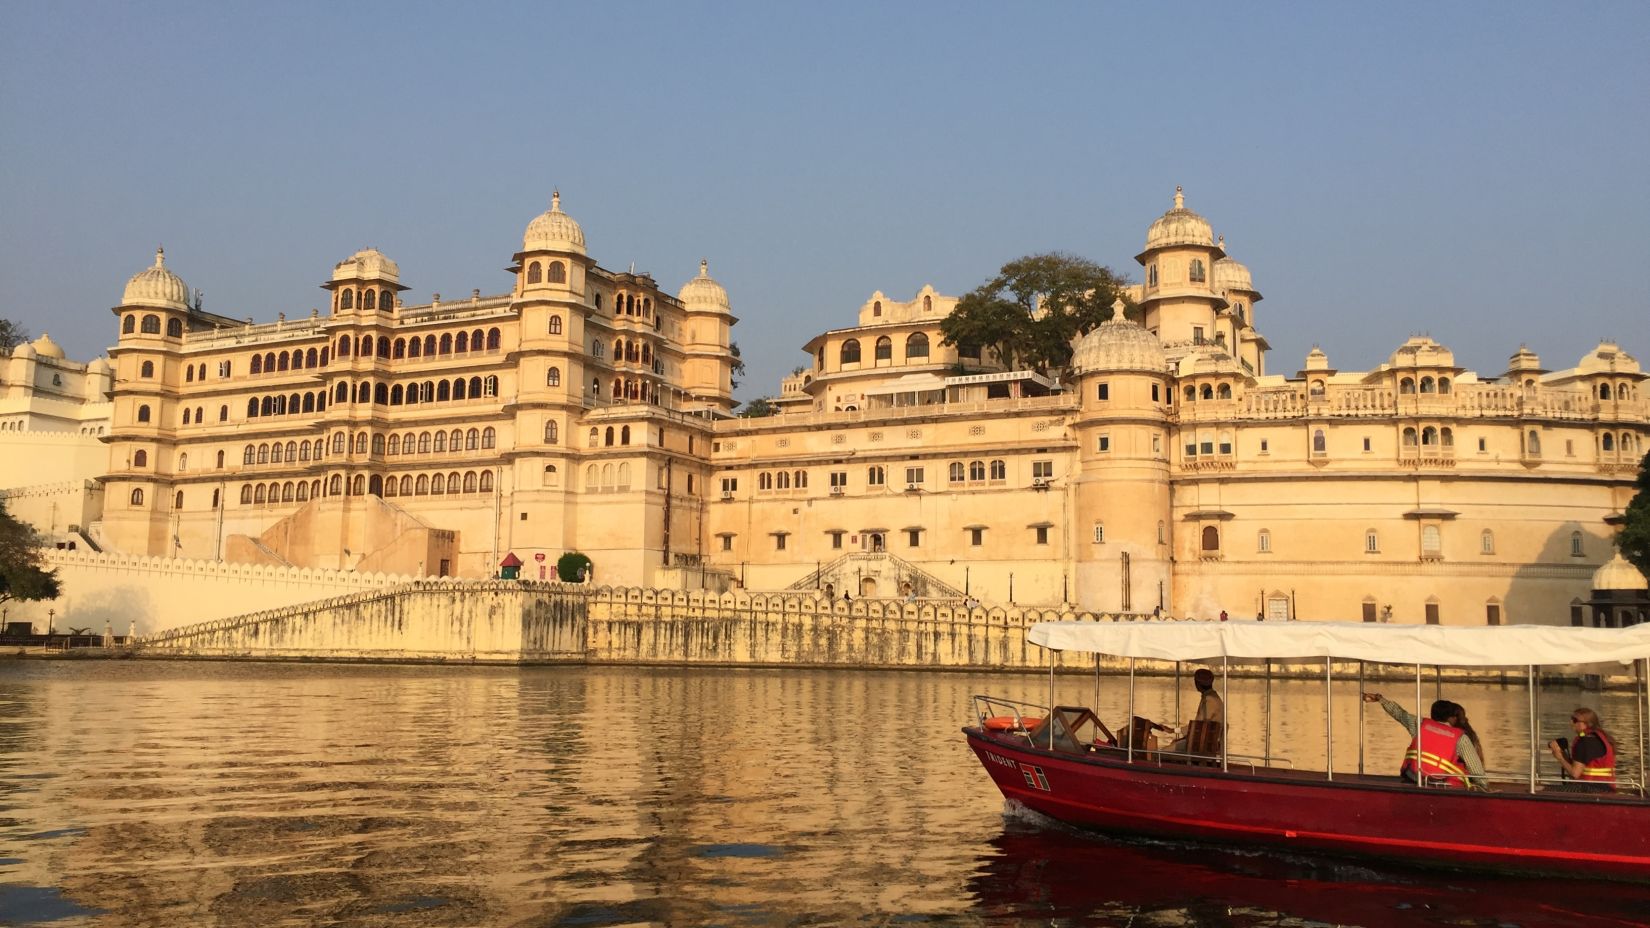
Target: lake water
235, 794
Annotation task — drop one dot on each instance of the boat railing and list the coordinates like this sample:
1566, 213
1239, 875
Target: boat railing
1627, 785
997, 707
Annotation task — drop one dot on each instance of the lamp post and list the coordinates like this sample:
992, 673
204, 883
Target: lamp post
51, 622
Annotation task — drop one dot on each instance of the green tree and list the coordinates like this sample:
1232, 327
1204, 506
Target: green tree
759, 408
737, 369
23, 574
574, 567
1034, 309
1635, 530
11, 335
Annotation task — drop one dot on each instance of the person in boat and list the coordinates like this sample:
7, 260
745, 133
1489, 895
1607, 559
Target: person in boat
1591, 759
1210, 707
1451, 756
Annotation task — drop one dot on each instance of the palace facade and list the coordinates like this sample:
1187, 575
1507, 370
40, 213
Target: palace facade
588, 409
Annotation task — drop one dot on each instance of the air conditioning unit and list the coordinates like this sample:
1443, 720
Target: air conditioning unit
836, 491
727, 494
1040, 483
912, 488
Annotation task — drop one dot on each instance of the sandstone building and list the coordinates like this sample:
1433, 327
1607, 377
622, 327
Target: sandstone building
589, 409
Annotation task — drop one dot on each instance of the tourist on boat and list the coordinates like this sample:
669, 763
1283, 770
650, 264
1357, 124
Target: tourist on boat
1591, 759
1451, 755
1210, 707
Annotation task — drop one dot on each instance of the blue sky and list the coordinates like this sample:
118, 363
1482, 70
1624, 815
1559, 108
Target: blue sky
1474, 171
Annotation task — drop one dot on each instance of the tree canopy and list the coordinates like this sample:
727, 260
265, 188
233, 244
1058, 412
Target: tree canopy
12, 334
759, 408
1034, 309
1635, 531
23, 574
573, 567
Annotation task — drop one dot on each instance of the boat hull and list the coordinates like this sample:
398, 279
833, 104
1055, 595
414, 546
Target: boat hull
1600, 837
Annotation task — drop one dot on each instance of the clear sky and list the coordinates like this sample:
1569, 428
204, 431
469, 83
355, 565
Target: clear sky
1474, 171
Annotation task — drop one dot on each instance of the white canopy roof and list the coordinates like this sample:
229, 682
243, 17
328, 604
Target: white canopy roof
1501, 646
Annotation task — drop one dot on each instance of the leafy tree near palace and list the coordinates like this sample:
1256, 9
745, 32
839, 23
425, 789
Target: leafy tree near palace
23, 575
11, 335
758, 408
1635, 532
1032, 311
573, 567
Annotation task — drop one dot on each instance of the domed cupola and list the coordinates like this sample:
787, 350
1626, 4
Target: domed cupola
1618, 574
703, 292
1179, 226
1231, 275
156, 286
1118, 344
553, 231
367, 264
46, 348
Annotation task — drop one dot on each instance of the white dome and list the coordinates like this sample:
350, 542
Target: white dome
553, 231
703, 292
367, 264
1179, 226
99, 365
156, 286
1231, 275
1118, 344
23, 350
46, 348
1617, 574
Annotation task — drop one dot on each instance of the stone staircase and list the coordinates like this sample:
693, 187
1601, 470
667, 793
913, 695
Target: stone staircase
888, 576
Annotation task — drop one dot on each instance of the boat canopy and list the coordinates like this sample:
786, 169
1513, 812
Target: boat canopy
1487, 646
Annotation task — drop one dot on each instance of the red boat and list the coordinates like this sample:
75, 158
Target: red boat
1061, 764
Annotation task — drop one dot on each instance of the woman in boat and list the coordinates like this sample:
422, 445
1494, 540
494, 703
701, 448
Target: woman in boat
1591, 760
1452, 756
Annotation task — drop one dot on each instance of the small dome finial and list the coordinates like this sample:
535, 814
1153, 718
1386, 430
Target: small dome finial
555, 200
1117, 310
704, 267
1179, 197
1222, 240
160, 256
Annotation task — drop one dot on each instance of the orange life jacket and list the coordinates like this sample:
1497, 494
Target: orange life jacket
1601, 770
1439, 753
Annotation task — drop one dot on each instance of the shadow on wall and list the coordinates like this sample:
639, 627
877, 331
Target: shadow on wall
1541, 593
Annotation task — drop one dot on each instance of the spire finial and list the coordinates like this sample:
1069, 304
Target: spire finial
160, 256
555, 200
704, 268
1222, 240
1179, 197
1117, 308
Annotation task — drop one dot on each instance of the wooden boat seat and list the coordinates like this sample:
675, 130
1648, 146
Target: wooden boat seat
1203, 739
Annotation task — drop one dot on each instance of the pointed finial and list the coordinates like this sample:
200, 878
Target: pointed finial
632, 267
1117, 310
555, 200
704, 268
1222, 240
160, 256
1179, 197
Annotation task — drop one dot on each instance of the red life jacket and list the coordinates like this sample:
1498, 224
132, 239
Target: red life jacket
1601, 770
1440, 755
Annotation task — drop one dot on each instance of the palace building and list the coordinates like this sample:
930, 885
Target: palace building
588, 409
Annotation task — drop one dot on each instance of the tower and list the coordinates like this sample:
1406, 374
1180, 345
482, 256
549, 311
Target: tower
1179, 298
707, 374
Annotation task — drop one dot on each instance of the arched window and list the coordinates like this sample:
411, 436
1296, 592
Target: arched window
876, 308
137, 496
1427, 385
1429, 436
346, 300
607, 437
494, 338
555, 325
151, 325
186, 416
1486, 542
1263, 541
999, 470
624, 435
917, 345
263, 454
358, 486
557, 272
462, 343
246, 495
140, 459
445, 346
1211, 538
486, 483
469, 481
1447, 437
1603, 391
1207, 392
1224, 392
552, 432
174, 328
129, 325
1609, 442
535, 273
976, 470
1432, 543
1532, 443
1196, 272
472, 440
850, 351
1372, 542
885, 349
338, 443
1443, 385
257, 364
143, 414
261, 494
553, 377
1320, 445
1191, 394
1575, 545
1409, 437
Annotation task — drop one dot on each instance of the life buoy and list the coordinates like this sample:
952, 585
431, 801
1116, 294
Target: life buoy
1010, 723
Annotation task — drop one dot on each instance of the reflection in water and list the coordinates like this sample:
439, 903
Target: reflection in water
138, 793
